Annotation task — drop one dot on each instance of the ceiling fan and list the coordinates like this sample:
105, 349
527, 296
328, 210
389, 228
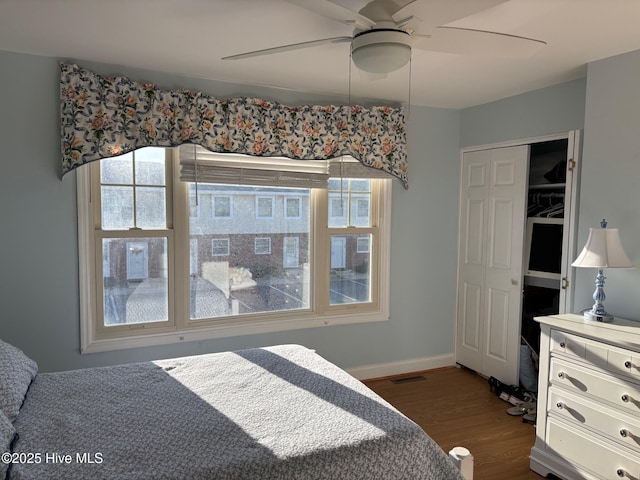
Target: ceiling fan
385, 32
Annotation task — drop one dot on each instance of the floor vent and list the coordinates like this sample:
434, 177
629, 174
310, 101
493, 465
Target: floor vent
415, 378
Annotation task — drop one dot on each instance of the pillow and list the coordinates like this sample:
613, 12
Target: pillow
16, 375
7, 432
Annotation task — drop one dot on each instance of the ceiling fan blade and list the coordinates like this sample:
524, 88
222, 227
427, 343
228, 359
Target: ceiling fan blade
433, 13
335, 11
477, 42
288, 48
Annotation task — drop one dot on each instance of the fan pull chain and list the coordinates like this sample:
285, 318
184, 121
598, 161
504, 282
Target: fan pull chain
195, 166
409, 94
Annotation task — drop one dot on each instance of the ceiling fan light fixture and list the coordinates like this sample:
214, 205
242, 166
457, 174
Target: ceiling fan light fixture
381, 51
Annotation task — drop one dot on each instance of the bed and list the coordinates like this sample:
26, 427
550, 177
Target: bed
280, 412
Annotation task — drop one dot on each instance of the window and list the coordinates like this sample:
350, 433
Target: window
194, 206
291, 252
263, 246
363, 245
351, 274
219, 247
362, 211
337, 210
133, 236
292, 207
221, 207
155, 269
264, 207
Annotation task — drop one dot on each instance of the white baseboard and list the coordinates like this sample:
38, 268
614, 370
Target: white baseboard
366, 372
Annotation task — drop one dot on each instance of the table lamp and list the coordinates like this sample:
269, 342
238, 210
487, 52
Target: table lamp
603, 249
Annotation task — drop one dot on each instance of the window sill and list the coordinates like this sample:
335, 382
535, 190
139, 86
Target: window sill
90, 345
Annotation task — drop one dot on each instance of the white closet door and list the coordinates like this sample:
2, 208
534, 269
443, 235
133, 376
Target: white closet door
490, 265
471, 258
507, 215
570, 227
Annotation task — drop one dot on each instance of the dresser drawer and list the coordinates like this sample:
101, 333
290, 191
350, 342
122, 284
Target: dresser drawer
583, 381
621, 428
591, 453
568, 344
609, 357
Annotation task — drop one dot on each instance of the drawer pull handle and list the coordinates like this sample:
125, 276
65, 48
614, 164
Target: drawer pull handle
620, 472
624, 433
562, 375
562, 344
625, 398
627, 364
560, 405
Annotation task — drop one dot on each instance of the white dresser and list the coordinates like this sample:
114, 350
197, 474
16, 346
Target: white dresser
588, 423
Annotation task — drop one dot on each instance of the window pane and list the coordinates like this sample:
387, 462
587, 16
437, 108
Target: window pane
220, 247
360, 185
222, 206
127, 204
263, 246
257, 266
360, 210
265, 207
350, 278
363, 244
337, 210
117, 208
292, 206
151, 210
194, 205
135, 280
337, 184
349, 202
150, 168
117, 170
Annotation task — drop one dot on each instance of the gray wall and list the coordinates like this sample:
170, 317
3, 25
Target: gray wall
610, 176
546, 111
38, 245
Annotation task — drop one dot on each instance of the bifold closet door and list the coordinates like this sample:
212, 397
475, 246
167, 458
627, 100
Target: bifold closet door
491, 232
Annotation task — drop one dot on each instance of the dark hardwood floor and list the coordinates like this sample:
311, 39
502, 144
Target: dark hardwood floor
455, 407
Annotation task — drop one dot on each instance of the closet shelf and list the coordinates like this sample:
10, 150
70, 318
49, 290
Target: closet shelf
546, 186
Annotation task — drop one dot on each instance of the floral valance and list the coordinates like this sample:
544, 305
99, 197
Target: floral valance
108, 116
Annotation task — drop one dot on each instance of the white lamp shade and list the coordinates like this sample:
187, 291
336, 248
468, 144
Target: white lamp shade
603, 250
382, 57
381, 51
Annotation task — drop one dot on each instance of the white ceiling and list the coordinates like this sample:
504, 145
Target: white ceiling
189, 37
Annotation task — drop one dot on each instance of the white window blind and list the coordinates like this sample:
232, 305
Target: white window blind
198, 164
349, 167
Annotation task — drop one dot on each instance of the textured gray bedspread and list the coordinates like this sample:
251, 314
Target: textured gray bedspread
273, 413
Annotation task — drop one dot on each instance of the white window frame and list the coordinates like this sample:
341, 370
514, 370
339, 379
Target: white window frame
181, 328
213, 248
214, 198
286, 207
260, 251
360, 249
271, 201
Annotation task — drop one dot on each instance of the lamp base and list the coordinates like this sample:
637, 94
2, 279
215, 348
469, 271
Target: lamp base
593, 317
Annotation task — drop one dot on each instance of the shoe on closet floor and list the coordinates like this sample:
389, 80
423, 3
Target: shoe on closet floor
522, 408
530, 416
